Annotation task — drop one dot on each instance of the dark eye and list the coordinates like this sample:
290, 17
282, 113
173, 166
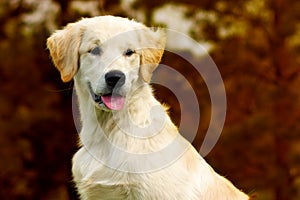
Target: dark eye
129, 52
95, 51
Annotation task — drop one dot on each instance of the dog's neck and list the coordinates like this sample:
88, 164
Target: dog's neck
142, 127
142, 116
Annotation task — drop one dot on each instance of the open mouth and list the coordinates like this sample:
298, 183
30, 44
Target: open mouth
112, 101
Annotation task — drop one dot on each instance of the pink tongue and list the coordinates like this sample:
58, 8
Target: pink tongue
113, 101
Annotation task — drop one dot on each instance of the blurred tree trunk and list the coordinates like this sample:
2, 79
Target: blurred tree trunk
282, 107
284, 181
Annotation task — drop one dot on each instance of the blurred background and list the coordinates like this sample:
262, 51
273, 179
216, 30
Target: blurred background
254, 43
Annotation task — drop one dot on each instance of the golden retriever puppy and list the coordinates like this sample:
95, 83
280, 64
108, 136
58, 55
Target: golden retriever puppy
129, 147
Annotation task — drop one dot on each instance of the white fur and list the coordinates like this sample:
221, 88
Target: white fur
102, 171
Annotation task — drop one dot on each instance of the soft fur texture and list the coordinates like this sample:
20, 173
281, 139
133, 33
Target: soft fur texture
113, 161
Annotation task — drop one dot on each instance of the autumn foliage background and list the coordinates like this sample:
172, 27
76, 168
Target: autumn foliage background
254, 43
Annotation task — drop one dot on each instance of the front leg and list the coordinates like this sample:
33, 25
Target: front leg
94, 190
95, 181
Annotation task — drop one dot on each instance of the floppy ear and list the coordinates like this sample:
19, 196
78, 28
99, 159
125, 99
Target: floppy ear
64, 45
151, 51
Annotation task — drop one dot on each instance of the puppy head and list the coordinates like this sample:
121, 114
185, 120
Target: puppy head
64, 44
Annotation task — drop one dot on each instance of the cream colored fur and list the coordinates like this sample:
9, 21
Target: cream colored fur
100, 169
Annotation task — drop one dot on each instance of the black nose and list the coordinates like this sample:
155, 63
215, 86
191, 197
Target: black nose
115, 78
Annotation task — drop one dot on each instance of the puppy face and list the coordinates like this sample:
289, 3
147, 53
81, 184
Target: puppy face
109, 66
107, 55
